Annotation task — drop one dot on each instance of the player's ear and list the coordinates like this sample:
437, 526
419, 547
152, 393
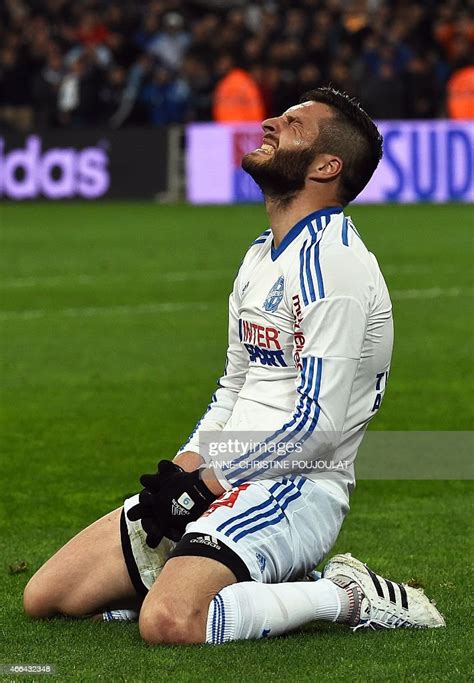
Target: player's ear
325, 167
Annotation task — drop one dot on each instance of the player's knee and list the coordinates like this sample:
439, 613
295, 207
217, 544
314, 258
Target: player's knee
166, 622
37, 602
44, 598
162, 625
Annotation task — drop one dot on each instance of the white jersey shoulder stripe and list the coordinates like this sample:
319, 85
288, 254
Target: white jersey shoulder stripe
311, 278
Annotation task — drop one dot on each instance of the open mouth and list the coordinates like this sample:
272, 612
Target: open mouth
266, 148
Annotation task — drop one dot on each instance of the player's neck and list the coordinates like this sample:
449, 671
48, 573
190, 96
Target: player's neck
283, 218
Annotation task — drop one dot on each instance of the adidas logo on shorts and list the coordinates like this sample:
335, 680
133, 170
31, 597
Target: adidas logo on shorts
207, 540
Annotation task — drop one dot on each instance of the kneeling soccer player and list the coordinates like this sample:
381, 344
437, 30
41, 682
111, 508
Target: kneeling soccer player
218, 552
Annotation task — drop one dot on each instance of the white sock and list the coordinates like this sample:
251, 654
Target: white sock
256, 610
120, 615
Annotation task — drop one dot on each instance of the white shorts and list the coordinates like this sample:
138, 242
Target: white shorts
280, 529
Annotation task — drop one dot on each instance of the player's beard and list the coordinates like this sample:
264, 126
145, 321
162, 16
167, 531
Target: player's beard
283, 175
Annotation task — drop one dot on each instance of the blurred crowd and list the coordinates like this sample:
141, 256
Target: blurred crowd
73, 63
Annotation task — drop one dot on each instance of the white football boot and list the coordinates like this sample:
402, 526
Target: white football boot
378, 603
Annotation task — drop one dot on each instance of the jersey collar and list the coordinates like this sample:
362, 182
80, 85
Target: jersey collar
296, 229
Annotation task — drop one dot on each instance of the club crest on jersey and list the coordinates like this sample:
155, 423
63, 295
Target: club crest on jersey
274, 296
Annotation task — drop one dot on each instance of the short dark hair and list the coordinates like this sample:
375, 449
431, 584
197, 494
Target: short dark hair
352, 135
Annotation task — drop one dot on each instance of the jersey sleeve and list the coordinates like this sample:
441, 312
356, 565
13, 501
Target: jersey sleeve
328, 340
229, 384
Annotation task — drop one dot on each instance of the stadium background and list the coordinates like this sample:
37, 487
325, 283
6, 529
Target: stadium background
118, 142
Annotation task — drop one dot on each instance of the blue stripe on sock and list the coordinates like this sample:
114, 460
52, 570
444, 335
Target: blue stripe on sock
214, 619
219, 623
221, 635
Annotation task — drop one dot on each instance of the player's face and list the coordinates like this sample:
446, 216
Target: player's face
280, 165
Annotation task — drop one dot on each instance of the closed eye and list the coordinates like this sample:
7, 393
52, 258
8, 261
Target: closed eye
292, 119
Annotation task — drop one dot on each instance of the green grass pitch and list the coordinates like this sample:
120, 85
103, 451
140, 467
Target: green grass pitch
113, 334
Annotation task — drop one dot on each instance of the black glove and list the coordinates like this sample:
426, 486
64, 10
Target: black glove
170, 500
151, 483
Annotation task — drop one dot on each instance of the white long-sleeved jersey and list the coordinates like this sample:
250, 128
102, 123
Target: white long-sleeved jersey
310, 342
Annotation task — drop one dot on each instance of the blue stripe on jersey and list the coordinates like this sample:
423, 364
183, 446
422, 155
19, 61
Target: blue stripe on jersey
302, 285
310, 372
307, 283
304, 399
314, 421
310, 399
309, 254
304, 419
304, 222
311, 405
306, 391
315, 395
345, 237
309, 276
304, 386
305, 383
318, 273
261, 238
